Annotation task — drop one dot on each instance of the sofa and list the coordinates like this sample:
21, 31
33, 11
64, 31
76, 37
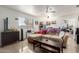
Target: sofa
65, 39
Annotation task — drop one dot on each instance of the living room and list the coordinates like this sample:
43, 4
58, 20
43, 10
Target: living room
23, 26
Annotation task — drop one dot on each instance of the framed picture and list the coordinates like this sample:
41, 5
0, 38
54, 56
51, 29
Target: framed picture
65, 21
53, 22
41, 23
47, 23
36, 22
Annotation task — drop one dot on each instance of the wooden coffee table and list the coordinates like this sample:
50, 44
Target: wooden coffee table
46, 42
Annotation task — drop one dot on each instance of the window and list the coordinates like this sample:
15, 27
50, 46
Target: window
22, 21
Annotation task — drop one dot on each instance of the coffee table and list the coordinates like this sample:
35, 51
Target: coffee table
46, 42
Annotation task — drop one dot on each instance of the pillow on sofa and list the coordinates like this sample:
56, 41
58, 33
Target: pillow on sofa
53, 30
43, 31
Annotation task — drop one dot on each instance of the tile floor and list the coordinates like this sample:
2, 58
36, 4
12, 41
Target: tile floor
24, 47
18, 47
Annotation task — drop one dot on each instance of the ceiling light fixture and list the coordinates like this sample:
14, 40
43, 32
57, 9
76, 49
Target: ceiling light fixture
50, 12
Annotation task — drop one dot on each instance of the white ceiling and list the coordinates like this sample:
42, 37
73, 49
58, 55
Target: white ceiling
40, 10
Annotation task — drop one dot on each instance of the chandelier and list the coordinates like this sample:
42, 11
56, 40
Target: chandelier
50, 11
